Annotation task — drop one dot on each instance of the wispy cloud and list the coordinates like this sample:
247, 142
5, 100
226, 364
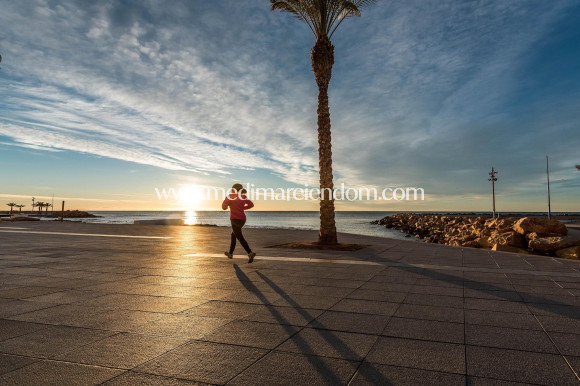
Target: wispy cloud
420, 88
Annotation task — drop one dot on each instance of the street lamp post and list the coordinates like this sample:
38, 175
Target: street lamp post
493, 179
548, 178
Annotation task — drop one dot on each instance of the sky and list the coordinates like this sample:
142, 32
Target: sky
102, 102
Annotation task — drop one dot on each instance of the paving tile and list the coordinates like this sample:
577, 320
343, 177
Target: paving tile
66, 297
131, 378
279, 368
376, 374
446, 357
437, 290
479, 381
383, 296
509, 338
52, 373
12, 362
59, 314
143, 303
26, 292
226, 310
350, 322
511, 296
16, 307
259, 297
122, 350
386, 286
366, 307
182, 326
425, 330
502, 319
569, 344
253, 334
308, 301
555, 310
203, 362
418, 311
51, 341
335, 344
12, 328
284, 315
428, 300
116, 320
519, 366
496, 305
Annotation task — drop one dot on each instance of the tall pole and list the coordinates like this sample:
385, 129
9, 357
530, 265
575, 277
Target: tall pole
548, 177
493, 179
32, 205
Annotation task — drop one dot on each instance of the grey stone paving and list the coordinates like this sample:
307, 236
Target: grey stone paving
163, 307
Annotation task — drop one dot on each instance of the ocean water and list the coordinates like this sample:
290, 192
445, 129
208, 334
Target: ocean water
348, 222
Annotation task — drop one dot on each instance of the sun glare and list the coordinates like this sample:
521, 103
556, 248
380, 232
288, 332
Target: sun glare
191, 197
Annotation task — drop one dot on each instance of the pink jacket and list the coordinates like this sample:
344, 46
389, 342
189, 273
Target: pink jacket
237, 204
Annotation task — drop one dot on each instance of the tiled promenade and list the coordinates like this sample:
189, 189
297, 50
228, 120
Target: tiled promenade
165, 307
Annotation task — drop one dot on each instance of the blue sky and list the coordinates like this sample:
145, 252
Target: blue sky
101, 102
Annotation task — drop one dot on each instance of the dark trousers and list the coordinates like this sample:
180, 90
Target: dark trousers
237, 234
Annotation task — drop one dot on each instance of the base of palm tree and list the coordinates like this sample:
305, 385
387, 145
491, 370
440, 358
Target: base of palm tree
325, 247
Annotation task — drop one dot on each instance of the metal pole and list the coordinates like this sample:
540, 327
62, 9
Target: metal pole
493, 179
549, 200
493, 193
62, 212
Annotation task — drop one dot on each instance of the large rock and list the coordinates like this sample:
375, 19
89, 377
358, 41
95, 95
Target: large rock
569, 253
552, 244
513, 239
539, 225
509, 248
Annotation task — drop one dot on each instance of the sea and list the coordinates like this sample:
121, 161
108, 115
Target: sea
356, 222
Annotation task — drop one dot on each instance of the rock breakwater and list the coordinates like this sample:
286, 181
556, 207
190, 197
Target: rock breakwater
510, 234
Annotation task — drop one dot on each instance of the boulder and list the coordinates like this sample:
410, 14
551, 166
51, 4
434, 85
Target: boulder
539, 225
509, 248
569, 253
484, 242
513, 239
552, 244
471, 244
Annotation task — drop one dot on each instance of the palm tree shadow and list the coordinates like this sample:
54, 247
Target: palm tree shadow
328, 374
548, 305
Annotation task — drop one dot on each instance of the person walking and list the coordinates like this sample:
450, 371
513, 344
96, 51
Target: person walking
237, 202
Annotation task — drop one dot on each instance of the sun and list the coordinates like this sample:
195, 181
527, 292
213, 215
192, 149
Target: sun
191, 196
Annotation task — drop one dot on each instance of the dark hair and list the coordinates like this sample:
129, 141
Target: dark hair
237, 187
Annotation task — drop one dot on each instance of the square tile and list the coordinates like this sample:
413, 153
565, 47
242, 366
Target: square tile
350, 322
361, 306
180, 326
284, 315
445, 357
418, 311
10, 363
253, 334
203, 362
519, 366
122, 350
335, 344
376, 374
51, 341
51, 373
13, 328
425, 330
502, 319
279, 368
509, 338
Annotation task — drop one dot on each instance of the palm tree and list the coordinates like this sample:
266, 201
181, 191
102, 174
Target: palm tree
47, 205
40, 205
323, 18
11, 205
578, 167
19, 208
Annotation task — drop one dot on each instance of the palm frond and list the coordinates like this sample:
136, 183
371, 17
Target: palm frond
322, 16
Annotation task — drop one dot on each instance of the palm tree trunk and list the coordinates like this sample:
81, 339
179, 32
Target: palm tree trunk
322, 60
